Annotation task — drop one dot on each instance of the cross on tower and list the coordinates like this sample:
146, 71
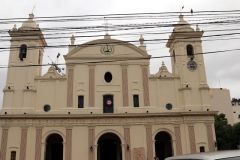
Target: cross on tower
33, 9
106, 25
181, 9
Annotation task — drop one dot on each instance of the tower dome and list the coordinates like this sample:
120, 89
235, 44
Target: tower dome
29, 24
182, 25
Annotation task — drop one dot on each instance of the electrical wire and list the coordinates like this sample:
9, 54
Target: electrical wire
119, 60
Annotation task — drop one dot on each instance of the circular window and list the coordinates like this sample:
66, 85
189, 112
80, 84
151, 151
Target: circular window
108, 77
168, 106
192, 65
46, 108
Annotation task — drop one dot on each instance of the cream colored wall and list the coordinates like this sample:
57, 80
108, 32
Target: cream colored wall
184, 138
161, 91
31, 140
80, 142
164, 91
221, 102
236, 109
14, 139
53, 91
18, 78
201, 138
80, 137
140, 140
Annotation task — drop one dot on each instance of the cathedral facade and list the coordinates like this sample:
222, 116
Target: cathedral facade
108, 106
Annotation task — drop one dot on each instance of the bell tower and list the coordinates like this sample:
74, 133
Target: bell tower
185, 47
25, 60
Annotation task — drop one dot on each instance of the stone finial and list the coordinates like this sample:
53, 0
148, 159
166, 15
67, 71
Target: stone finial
107, 36
197, 28
14, 28
182, 25
31, 16
163, 68
29, 24
141, 40
72, 40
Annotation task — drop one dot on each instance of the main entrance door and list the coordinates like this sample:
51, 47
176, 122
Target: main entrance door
163, 145
54, 148
109, 147
108, 104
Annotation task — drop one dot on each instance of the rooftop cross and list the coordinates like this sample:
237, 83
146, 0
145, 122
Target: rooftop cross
106, 25
181, 9
33, 9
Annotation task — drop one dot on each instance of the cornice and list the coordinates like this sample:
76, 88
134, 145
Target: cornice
92, 121
109, 58
155, 77
186, 88
53, 79
35, 34
104, 42
116, 115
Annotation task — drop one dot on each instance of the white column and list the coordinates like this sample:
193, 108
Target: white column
64, 148
95, 151
153, 146
174, 147
123, 151
43, 150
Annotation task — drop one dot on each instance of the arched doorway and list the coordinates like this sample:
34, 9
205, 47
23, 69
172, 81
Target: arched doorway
54, 147
109, 147
163, 145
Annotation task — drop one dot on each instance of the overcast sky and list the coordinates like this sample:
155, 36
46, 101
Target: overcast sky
224, 66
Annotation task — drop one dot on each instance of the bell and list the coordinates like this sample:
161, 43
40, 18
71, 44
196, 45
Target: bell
23, 51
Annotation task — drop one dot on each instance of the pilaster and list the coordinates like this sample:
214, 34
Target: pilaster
23, 143
149, 141
192, 137
178, 139
68, 150
91, 85
38, 143
70, 86
125, 84
210, 136
4, 141
145, 85
91, 148
127, 141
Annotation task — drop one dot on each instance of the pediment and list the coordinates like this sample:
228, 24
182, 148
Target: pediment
163, 72
94, 49
52, 73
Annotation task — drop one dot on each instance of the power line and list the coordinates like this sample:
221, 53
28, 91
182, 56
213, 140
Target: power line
122, 42
160, 13
129, 58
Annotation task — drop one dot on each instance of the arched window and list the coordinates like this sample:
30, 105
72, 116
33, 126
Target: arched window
23, 52
13, 155
189, 49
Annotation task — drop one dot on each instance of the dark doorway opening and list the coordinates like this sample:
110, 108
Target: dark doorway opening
108, 104
109, 147
54, 147
163, 145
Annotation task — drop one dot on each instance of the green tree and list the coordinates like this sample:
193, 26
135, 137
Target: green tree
236, 135
224, 133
